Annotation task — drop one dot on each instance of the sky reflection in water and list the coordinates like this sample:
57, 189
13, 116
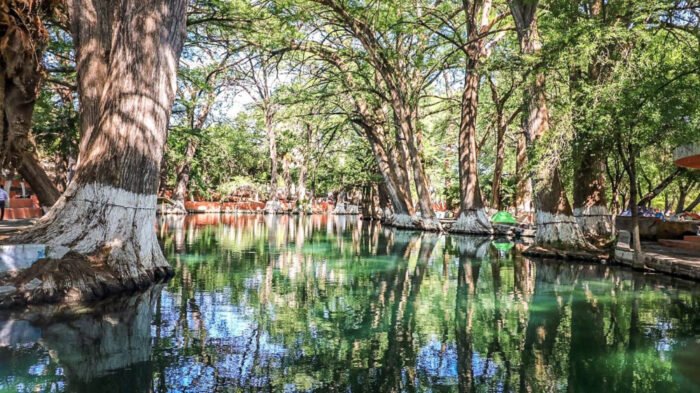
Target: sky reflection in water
334, 304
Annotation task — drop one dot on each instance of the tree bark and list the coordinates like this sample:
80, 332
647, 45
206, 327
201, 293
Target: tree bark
472, 217
183, 175
523, 188
590, 204
272, 151
20, 82
28, 166
496, 197
556, 225
100, 234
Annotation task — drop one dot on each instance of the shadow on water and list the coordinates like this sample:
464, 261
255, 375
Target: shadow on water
330, 303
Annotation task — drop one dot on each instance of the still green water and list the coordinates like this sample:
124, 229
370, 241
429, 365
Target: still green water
334, 304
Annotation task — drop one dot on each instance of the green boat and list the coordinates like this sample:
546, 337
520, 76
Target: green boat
503, 218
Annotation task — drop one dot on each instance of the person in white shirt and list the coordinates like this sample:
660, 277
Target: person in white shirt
3, 200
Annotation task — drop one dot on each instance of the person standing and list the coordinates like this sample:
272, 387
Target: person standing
3, 200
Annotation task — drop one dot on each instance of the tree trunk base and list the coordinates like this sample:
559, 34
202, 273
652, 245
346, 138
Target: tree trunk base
595, 222
176, 208
559, 231
100, 240
472, 222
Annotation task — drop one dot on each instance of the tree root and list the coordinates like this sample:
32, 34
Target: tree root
584, 254
74, 278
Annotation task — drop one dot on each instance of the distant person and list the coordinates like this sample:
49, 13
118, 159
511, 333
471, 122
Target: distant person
659, 215
3, 199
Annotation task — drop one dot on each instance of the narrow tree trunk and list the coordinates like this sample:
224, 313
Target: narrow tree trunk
523, 187
680, 207
30, 169
272, 150
496, 198
183, 176
653, 193
691, 207
100, 234
472, 217
636, 241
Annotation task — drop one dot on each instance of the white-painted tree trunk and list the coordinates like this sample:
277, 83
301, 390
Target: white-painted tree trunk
112, 226
474, 222
594, 221
558, 230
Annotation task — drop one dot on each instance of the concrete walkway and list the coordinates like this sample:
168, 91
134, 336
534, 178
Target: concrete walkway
656, 257
669, 260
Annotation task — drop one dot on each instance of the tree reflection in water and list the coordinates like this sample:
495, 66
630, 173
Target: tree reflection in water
286, 303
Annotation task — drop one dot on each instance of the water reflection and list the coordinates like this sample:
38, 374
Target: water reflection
105, 348
325, 303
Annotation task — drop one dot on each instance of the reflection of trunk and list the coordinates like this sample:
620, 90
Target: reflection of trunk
541, 333
183, 174
467, 278
472, 217
588, 343
102, 228
108, 350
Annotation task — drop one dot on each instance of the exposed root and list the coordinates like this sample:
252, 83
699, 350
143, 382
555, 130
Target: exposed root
472, 222
590, 254
76, 278
404, 221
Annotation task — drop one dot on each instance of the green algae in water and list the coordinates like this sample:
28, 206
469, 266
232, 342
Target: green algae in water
327, 303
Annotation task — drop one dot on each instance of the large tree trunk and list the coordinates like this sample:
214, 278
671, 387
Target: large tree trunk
401, 203
472, 217
23, 38
100, 234
556, 225
590, 204
523, 187
407, 132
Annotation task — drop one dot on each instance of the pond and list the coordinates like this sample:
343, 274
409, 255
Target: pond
328, 303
